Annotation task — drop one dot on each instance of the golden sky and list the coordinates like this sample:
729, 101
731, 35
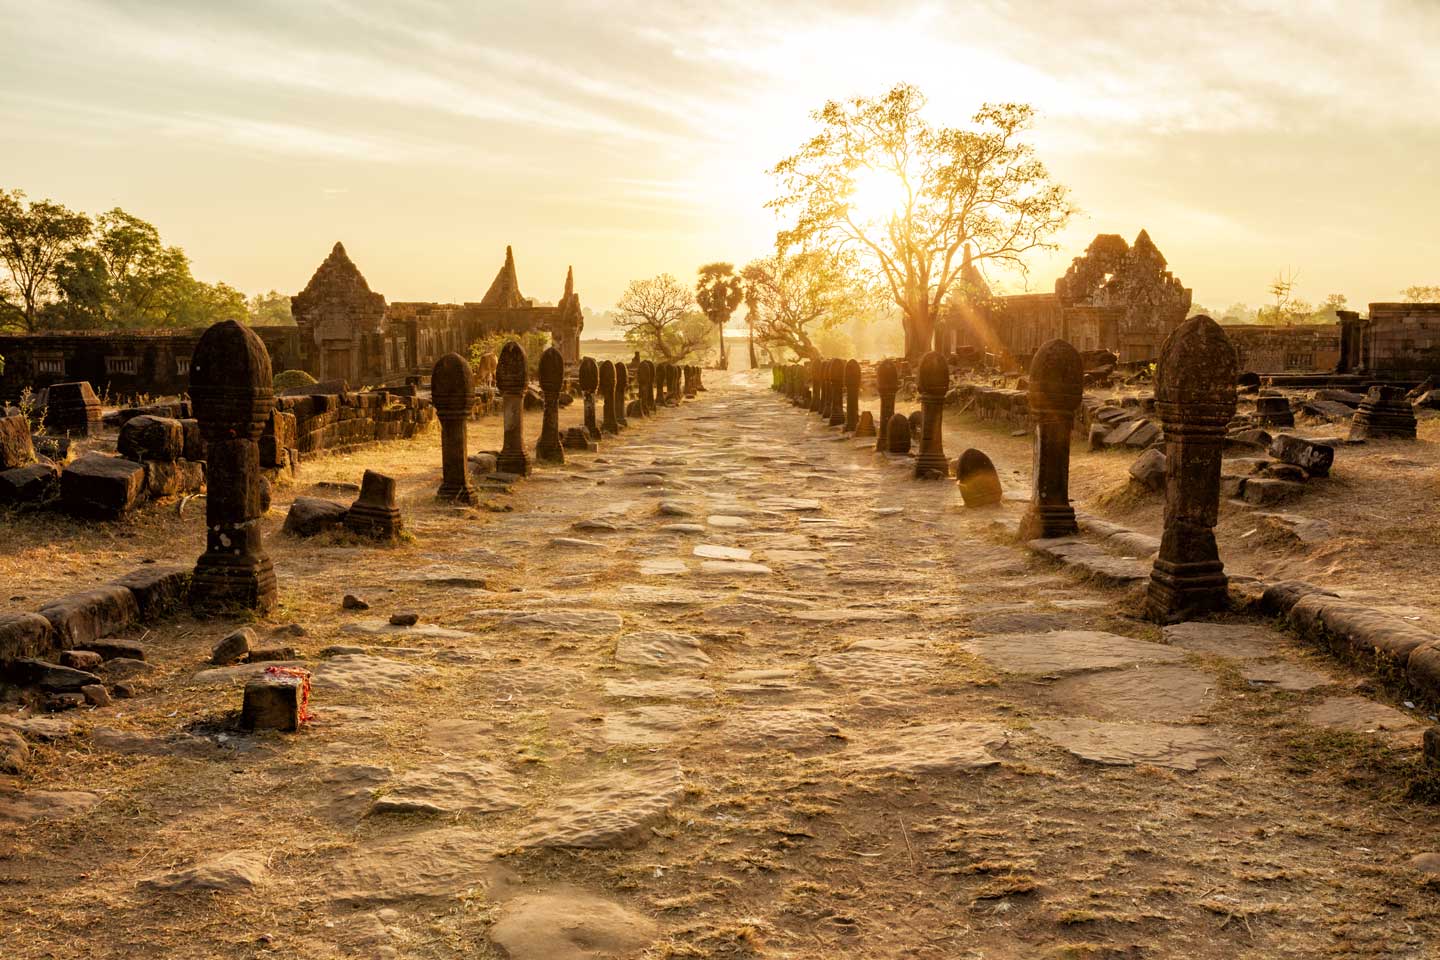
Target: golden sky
630, 139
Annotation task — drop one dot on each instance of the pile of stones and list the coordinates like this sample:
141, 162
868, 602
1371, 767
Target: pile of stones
1280, 477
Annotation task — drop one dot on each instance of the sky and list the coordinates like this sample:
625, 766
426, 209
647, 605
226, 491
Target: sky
631, 139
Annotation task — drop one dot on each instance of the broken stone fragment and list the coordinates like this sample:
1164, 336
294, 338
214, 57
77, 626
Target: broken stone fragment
404, 619
95, 695
14, 752
262, 654
112, 649
50, 677
233, 648
309, 516
1148, 470
352, 602
1314, 458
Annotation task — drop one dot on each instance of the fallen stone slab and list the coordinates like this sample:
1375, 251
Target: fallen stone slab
611, 811
796, 729
1361, 715
18, 807
450, 788
1067, 651
1267, 491
1090, 560
35, 483
874, 668
569, 924
927, 748
50, 677
438, 864
1163, 693
238, 870
1314, 458
1355, 628
1239, 641
712, 551
1127, 744
660, 648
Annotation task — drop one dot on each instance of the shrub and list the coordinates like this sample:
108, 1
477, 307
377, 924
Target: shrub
289, 379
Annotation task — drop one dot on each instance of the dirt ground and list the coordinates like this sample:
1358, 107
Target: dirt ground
859, 722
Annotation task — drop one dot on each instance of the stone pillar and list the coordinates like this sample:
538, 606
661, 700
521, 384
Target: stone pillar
699, 379
548, 448
589, 383
374, 513
1385, 412
607, 397
232, 396
852, 395
1195, 395
647, 387
887, 384
934, 382
1057, 383
672, 386
452, 388
622, 393
692, 382
511, 377
837, 393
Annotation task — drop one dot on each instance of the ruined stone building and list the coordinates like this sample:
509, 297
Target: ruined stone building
1117, 296
348, 332
344, 331
1397, 341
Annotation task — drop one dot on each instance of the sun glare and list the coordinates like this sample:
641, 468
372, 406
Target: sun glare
877, 195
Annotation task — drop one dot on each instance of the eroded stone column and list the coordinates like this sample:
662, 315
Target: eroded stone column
887, 384
232, 396
607, 397
852, 395
837, 393
1195, 396
548, 448
1057, 383
647, 387
814, 373
622, 393
933, 380
511, 377
452, 389
589, 383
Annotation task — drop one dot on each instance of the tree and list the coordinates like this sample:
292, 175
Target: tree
270, 310
718, 292
791, 296
1288, 308
881, 182
1421, 294
34, 238
657, 318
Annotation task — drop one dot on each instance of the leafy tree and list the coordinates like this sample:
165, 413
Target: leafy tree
34, 238
270, 310
533, 342
881, 182
656, 316
1422, 294
718, 292
791, 296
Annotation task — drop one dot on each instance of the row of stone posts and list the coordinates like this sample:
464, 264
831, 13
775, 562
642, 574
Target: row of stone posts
232, 394
1194, 395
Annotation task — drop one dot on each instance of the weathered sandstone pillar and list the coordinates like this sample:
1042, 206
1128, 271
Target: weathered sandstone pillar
607, 397
548, 448
934, 382
452, 389
589, 383
511, 376
887, 383
852, 395
1057, 382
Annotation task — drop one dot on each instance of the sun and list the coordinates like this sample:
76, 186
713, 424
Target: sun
877, 195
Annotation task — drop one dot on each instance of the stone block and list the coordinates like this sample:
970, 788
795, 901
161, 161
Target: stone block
1149, 470
1314, 458
273, 703
102, 487
33, 484
193, 446
309, 516
79, 659
80, 618
25, 635
1265, 491
173, 478
233, 648
151, 438
1143, 435
111, 649
158, 590
16, 447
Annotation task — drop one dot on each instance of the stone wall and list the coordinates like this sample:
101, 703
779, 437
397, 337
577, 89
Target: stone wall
1302, 348
122, 365
343, 421
1397, 341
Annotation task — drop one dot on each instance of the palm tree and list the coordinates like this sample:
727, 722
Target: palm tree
718, 292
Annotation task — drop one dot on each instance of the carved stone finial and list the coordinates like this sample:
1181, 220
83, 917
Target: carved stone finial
887, 384
452, 390
552, 379
511, 376
933, 379
1057, 385
1195, 397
